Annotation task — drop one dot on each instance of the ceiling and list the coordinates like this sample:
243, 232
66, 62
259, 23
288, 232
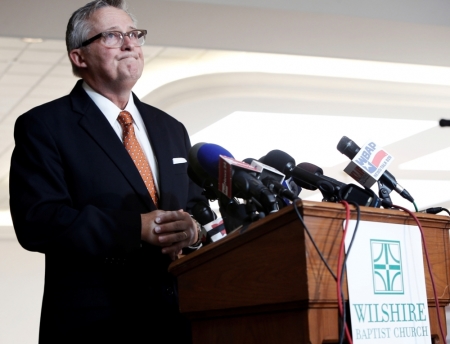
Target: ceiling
188, 71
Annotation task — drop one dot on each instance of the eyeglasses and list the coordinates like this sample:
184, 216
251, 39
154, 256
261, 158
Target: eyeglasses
114, 39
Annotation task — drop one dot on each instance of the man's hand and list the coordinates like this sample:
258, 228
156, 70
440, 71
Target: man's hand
171, 230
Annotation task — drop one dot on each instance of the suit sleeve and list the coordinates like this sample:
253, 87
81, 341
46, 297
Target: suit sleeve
44, 215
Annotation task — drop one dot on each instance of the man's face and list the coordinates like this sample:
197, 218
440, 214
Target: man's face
118, 66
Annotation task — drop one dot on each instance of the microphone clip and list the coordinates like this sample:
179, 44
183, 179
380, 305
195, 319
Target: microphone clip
384, 192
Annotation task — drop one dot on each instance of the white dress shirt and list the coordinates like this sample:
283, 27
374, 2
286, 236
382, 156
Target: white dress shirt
111, 112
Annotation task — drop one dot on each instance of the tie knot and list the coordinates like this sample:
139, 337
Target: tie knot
125, 118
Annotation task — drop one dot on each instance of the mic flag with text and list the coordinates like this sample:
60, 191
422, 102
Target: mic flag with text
386, 180
369, 164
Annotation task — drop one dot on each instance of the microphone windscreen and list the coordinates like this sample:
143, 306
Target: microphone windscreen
208, 156
280, 161
248, 160
203, 213
347, 147
193, 161
194, 177
311, 168
444, 123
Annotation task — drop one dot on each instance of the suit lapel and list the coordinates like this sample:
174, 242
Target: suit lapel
158, 135
98, 127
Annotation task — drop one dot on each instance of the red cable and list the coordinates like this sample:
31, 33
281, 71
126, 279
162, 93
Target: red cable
436, 300
340, 267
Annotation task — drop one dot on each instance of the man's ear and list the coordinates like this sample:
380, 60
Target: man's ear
77, 58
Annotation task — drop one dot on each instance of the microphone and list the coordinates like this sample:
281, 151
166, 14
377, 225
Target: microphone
279, 160
203, 213
274, 181
312, 175
333, 190
444, 122
200, 177
233, 213
213, 229
387, 180
279, 189
208, 157
245, 184
207, 184
285, 163
248, 160
193, 161
230, 172
292, 186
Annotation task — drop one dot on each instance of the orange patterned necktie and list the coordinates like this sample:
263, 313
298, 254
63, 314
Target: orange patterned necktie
137, 154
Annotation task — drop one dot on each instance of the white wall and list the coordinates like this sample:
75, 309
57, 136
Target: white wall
21, 287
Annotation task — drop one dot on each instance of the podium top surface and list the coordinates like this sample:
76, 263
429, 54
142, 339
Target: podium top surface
310, 210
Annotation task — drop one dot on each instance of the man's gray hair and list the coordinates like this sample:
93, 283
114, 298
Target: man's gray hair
79, 26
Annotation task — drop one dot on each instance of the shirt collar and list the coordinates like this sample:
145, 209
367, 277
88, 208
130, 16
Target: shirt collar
111, 110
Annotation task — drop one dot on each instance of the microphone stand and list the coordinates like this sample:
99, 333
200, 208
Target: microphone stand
383, 192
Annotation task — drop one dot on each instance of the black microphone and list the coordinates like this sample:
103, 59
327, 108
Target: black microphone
212, 228
318, 173
203, 213
207, 184
248, 186
279, 160
279, 189
334, 190
244, 184
285, 163
444, 122
275, 181
248, 160
310, 174
350, 149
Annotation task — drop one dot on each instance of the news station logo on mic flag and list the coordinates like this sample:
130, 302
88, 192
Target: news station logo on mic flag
226, 168
369, 164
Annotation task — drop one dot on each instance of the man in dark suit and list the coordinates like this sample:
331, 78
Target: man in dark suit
77, 196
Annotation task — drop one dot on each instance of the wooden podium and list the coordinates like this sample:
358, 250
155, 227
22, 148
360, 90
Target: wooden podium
267, 284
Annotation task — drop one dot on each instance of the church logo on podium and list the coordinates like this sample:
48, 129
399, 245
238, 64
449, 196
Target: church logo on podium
387, 271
